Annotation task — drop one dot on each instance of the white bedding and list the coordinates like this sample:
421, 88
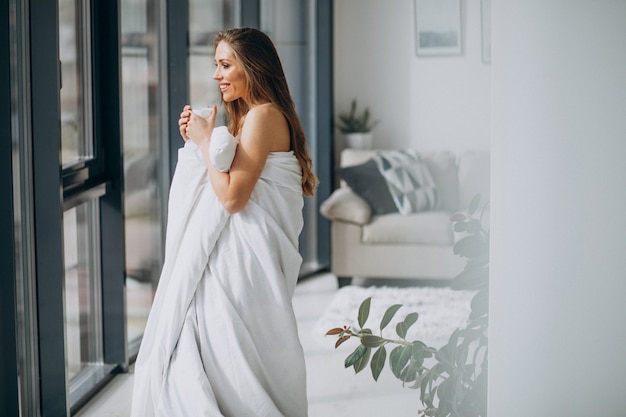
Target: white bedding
221, 338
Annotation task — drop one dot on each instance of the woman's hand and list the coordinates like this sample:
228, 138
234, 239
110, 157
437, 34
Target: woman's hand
195, 127
183, 121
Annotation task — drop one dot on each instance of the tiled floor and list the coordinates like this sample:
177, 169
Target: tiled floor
333, 391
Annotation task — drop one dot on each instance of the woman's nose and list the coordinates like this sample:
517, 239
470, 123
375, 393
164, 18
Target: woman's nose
216, 73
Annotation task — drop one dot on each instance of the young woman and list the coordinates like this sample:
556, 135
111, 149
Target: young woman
221, 338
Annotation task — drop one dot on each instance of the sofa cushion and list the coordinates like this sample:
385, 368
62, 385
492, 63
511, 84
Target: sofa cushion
344, 205
352, 156
408, 179
443, 168
474, 177
427, 228
366, 181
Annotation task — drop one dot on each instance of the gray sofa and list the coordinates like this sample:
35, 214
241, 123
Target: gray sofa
394, 245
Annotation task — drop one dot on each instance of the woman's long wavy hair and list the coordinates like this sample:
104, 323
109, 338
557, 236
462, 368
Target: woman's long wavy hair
266, 82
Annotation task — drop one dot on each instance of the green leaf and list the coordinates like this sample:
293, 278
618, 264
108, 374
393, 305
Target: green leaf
362, 362
471, 279
471, 246
398, 359
364, 311
480, 303
425, 393
458, 217
409, 373
445, 357
410, 320
421, 349
460, 227
355, 356
474, 226
462, 353
425, 373
378, 362
391, 311
453, 340
352, 108
372, 341
418, 352
401, 329
474, 204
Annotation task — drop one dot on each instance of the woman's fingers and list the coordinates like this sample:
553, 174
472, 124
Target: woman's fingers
186, 112
198, 124
183, 132
213, 113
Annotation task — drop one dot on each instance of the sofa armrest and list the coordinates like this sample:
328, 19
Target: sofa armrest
344, 205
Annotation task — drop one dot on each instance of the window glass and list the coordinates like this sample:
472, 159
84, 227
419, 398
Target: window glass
142, 144
26, 313
76, 145
144, 198
206, 18
82, 309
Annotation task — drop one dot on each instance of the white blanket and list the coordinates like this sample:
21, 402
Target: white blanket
221, 338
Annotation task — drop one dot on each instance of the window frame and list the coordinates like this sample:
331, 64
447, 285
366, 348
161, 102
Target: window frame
57, 188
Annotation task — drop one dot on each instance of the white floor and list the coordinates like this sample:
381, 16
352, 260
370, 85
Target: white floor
333, 391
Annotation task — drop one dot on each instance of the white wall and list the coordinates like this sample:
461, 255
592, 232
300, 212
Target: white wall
437, 102
558, 270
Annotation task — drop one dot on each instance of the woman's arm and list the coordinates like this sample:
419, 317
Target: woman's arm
265, 130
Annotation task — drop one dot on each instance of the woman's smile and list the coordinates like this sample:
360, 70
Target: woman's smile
229, 74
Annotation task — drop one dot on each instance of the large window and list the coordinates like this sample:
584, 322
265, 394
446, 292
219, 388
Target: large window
206, 18
145, 120
144, 157
91, 91
82, 290
64, 124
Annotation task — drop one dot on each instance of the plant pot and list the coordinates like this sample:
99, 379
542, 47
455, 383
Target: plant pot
361, 140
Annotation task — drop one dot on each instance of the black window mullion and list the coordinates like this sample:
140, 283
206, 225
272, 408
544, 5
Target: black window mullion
48, 216
251, 13
177, 74
107, 103
324, 141
9, 406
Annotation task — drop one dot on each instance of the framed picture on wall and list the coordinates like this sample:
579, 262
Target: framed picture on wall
438, 27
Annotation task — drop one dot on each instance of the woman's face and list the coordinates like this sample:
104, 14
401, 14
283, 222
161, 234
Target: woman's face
229, 74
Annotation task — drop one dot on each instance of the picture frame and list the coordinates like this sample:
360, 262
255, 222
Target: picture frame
438, 27
485, 11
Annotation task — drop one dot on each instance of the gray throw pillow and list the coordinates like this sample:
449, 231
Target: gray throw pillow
368, 183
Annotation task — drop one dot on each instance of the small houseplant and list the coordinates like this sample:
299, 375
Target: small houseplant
357, 128
451, 380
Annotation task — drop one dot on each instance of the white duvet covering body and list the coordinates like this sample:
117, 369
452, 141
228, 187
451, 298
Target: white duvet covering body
221, 338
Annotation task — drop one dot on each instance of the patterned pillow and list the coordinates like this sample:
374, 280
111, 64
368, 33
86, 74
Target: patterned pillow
409, 180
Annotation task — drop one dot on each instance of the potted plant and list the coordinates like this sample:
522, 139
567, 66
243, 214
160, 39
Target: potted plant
451, 380
356, 128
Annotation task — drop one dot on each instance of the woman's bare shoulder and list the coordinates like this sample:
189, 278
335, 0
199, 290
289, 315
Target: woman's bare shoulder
267, 122
265, 113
